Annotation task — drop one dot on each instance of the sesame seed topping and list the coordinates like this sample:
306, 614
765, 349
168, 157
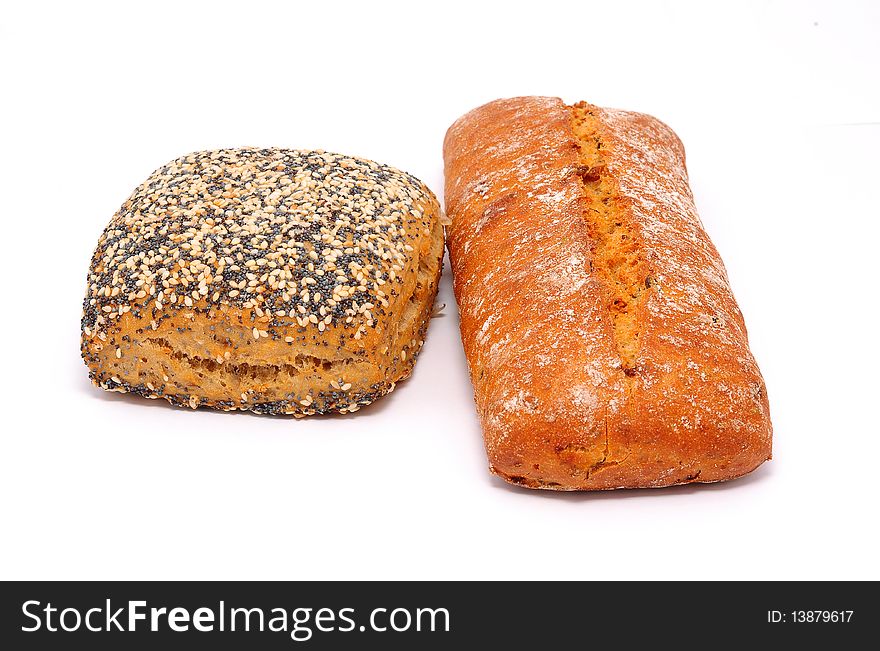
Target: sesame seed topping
309, 235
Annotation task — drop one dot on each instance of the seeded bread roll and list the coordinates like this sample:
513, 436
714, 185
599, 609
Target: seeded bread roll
604, 344
273, 280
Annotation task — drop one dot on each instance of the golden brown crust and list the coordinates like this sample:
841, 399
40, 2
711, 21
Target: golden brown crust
548, 240
276, 281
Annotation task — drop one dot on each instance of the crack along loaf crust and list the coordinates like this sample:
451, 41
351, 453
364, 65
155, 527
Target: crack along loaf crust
604, 344
273, 280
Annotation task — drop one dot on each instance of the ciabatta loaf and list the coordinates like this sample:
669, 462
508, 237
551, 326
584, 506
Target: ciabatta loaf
604, 344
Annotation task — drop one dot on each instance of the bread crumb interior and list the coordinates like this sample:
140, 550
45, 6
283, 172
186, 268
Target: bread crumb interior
614, 240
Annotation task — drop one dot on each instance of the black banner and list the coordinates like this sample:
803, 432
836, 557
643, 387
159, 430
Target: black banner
428, 615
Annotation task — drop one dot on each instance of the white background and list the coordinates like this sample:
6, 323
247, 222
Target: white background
778, 105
